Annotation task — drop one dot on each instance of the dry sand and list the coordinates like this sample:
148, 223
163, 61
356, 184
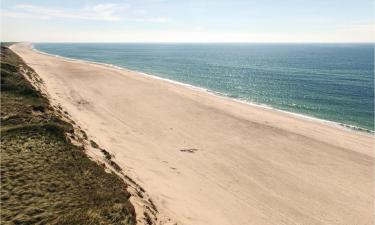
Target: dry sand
249, 165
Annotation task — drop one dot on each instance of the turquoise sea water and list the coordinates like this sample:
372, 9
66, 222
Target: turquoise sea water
328, 81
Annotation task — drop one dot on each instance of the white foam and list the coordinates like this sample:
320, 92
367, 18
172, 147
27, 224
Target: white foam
219, 94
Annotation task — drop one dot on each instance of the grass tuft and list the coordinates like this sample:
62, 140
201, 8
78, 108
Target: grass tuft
94, 144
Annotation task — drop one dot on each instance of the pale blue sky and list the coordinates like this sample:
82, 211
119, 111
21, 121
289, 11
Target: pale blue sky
188, 21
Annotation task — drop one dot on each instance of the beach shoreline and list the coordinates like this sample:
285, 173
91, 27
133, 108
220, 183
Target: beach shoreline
206, 159
345, 126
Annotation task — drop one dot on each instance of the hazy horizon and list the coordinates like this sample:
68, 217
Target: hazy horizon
151, 42
164, 21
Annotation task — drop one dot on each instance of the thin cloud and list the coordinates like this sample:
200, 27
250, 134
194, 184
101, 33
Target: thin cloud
21, 15
103, 12
149, 20
97, 12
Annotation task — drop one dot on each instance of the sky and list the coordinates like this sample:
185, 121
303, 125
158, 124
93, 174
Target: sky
297, 21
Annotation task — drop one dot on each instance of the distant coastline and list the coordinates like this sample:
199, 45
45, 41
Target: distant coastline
222, 95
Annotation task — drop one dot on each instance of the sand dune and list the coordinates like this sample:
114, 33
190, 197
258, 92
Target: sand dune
210, 160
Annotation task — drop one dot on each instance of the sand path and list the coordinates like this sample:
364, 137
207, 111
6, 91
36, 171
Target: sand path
246, 164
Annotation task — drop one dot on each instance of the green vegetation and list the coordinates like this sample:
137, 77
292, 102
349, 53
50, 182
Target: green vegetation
44, 178
7, 44
94, 144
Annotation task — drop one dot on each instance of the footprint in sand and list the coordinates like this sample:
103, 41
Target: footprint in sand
189, 150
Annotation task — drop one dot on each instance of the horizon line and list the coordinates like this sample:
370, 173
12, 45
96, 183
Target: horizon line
177, 42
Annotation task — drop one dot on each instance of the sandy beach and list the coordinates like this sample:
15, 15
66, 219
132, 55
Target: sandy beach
209, 160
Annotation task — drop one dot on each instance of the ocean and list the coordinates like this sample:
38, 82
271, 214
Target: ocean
333, 82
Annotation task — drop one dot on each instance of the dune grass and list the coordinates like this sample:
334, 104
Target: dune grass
44, 178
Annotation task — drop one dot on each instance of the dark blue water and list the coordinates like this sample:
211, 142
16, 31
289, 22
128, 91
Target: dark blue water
329, 81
